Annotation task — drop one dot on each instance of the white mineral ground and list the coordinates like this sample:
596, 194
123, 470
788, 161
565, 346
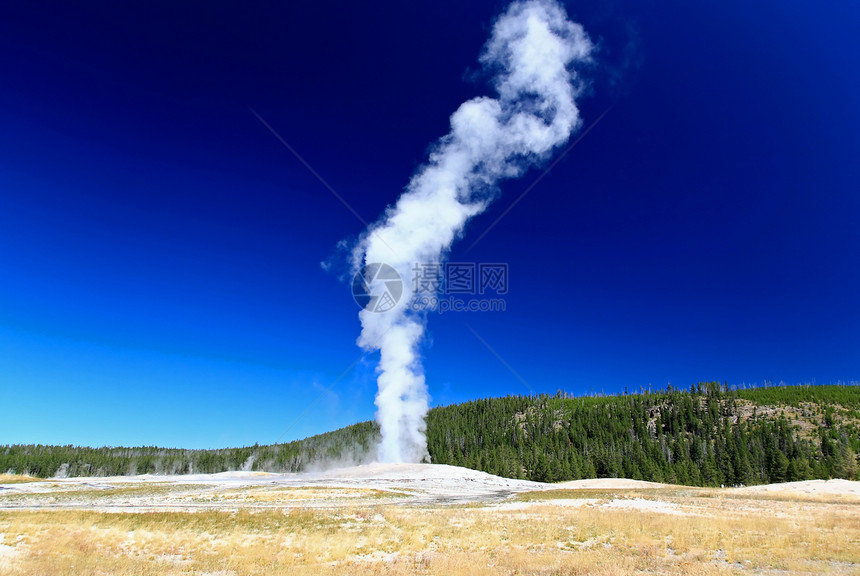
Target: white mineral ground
403, 484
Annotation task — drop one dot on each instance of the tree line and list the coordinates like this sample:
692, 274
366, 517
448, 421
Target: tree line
707, 435
351, 445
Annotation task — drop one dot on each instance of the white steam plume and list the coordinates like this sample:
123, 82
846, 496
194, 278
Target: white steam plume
531, 50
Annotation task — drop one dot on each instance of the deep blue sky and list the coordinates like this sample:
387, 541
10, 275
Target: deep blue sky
160, 278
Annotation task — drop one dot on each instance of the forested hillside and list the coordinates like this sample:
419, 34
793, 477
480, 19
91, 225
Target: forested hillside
706, 435
351, 445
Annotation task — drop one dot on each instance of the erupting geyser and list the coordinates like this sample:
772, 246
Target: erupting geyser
531, 51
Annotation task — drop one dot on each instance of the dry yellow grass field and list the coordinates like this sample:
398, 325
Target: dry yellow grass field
653, 530
17, 479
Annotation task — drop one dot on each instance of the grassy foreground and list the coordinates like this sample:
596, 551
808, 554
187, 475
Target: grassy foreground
655, 531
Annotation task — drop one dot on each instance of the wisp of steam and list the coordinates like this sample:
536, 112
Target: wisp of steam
531, 52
